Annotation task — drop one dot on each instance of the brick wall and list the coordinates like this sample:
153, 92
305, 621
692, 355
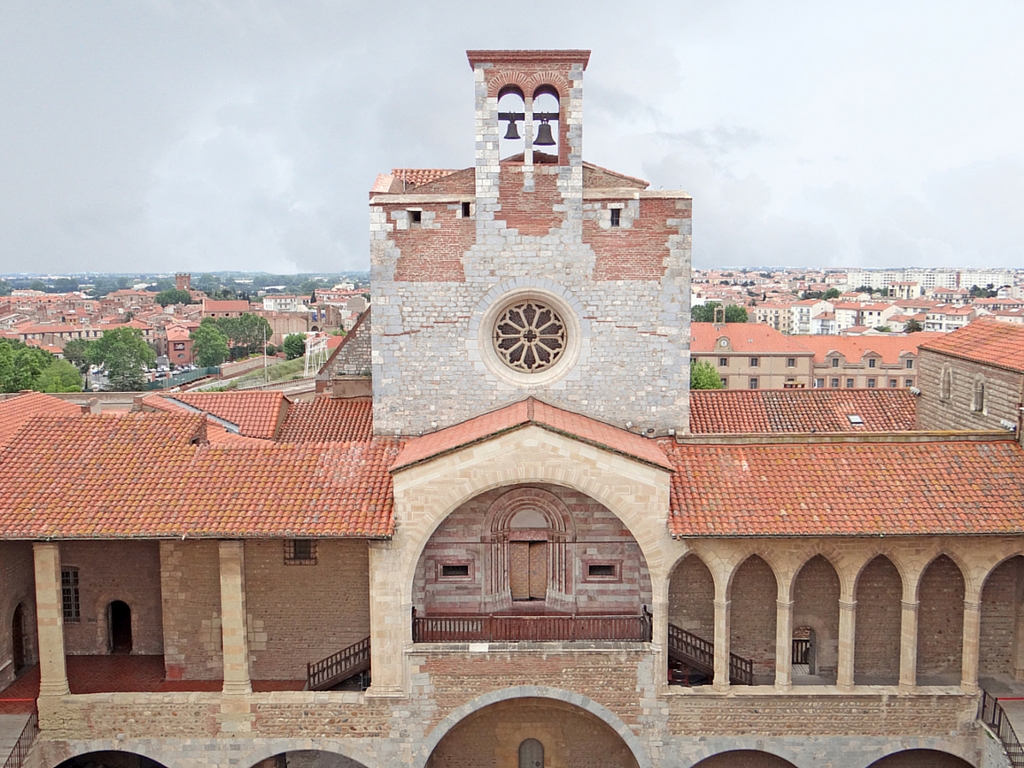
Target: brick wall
877, 638
600, 538
816, 605
190, 589
940, 619
1003, 392
753, 611
114, 570
17, 586
691, 598
303, 613
570, 737
638, 251
1000, 605
432, 250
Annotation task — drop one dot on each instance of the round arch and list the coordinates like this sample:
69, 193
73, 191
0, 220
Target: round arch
347, 757
115, 758
602, 713
922, 758
748, 758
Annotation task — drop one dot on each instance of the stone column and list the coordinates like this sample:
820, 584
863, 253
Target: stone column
232, 618
783, 645
1018, 642
390, 622
972, 642
847, 635
721, 682
53, 676
908, 645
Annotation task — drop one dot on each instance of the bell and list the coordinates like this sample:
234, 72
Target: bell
544, 137
512, 133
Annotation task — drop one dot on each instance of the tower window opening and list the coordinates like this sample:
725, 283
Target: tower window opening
466, 210
415, 217
615, 212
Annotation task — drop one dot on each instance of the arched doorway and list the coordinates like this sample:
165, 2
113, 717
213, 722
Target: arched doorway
110, 760
119, 621
921, 758
308, 758
18, 639
744, 758
555, 732
816, 623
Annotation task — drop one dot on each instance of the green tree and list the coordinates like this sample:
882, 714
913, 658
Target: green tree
76, 352
831, 293
294, 345
21, 365
705, 313
125, 355
64, 285
173, 296
209, 344
247, 333
703, 375
59, 376
5, 288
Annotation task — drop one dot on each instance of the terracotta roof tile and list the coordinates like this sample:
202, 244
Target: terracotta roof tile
524, 413
15, 411
847, 489
416, 176
853, 348
257, 414
327, 419
755, 338
144, 475
722, 411
984, 341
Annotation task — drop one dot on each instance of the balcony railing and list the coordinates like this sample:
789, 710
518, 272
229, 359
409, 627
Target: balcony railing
504, 628
18, 753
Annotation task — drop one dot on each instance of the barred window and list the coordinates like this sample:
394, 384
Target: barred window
71, 604
300, 552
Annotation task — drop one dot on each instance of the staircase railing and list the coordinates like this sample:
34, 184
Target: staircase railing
496, 628
28, 734
993, 715
339, 666
700, 654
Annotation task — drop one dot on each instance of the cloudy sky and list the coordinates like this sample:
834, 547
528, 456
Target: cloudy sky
161, 135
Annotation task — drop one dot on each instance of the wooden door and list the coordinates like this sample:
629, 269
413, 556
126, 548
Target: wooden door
528, 569
538, 570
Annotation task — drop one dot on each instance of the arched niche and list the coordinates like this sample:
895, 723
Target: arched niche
816, 610
879, 592
110, 759
1001, 619
308, 758
752, 618
921, 758
744, 758
940, 623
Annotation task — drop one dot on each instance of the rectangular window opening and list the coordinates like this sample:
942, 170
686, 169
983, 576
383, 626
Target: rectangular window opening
415, 217
723, 362
871, 383
753, 382
791, 362
849, 383
601, 569
871, 362
835, 383
456, 571
300, 552
71, 603
754, 362
615, 212
466, 210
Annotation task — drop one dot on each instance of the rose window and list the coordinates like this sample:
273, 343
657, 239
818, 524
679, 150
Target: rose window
529, 336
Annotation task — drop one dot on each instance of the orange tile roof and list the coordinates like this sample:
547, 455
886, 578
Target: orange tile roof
257, 414
327, 419
984, 341
853, 348
15, 411
754, 338
525, 413
143, 475
722, 411
847, 489
418, 176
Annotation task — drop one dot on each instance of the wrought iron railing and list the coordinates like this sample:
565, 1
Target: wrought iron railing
501, 628
993, 715
801, 650
339, 666
700, 654
17, 757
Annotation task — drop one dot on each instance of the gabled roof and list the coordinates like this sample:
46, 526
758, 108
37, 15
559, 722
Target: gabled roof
327, 419
352, 357
525, 413
256, 414
752, 338
847, 489
737, 411
151, 476
984, 341
15, 411
853, 348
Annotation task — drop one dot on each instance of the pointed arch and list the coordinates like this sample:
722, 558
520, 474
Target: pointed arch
878, 594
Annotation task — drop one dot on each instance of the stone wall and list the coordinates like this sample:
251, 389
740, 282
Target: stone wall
190, 588
691, 598
1000, 608
17, 587
1004, 391
940, 620
303, 613
877, 639
753, 595
128, 571
816, 605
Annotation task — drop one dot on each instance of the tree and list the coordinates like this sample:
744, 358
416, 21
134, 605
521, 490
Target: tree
5, 288
831, 293
705, 313
173, 296
209, 344
247, 333
64, 285
59, 376
703, 375
912, 326
76, 352
294, 345
21, 366
125, 355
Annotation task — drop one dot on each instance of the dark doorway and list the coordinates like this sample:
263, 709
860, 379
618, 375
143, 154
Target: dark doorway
119, 617
18, 639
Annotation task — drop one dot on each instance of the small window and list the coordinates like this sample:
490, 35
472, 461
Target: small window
819, 383
908, 382
615, 212
71, 604
753, 382
871, 383
791, 362
600, 569
978, 405
466, 210
946, 387
456, 571
893, 383
725, 382
910, 364
835, 362
871, 362
834, 383
855, 420
300, 552
849, 383
755, 362
415, 217
723, 362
